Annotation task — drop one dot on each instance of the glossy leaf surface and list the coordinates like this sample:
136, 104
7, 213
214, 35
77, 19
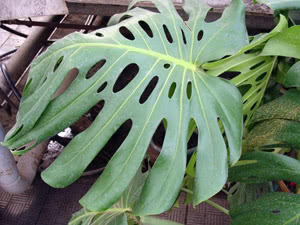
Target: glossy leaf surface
286, 107
269, 167
292, 77
272, 209
285, 44
275, 133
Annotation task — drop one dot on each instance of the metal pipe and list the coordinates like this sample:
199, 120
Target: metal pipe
9, 81
8, 29
51, 24
10, 179
17, 178
8, 53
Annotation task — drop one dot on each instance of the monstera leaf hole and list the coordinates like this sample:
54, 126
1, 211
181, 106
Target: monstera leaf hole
71, 76
59, 61
260, 77
193, 141
230, 75
125, 17
167, 66
200, 35
86, 120
159, 137
183, 37
125, 77
172, 90
25, 147
102, 87
257, 65
167, 34
244, 89
189, 90
148, 90
253, 106
126, 33
111, 146
146, 28
99, 34
95, 68
160, 133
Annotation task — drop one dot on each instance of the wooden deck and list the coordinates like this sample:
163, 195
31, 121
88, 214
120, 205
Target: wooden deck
43, 205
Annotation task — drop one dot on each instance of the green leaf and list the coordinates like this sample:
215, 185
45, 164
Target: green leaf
269, 167
150, 220
242, 193
113, 216
254, 74
274, 133
134, 190
292, 78
244, 162
117, 214
285, 43
282, 70
272, 209
167, 60
119, 220
254, 70
286, 107
278, 123
281, 4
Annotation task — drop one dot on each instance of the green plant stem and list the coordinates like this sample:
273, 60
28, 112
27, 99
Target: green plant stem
217, 206
226, 192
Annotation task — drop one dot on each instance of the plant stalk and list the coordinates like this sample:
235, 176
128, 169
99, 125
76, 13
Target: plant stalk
217, 206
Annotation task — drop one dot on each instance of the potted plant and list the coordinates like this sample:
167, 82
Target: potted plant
183, 62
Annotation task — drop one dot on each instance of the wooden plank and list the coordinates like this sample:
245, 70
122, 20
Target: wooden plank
208, 215
258, 17
257, 9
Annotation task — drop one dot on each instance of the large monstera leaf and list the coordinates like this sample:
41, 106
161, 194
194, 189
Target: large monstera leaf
170, 55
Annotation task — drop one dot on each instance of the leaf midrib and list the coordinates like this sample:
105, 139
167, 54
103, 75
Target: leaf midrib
186, 64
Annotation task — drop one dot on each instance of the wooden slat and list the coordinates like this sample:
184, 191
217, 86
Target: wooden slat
258, 17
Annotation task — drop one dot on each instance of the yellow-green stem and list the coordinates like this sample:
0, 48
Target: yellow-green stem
217, 206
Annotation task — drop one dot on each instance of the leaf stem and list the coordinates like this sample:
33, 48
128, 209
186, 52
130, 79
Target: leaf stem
187, 190
217, 206
226, 192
